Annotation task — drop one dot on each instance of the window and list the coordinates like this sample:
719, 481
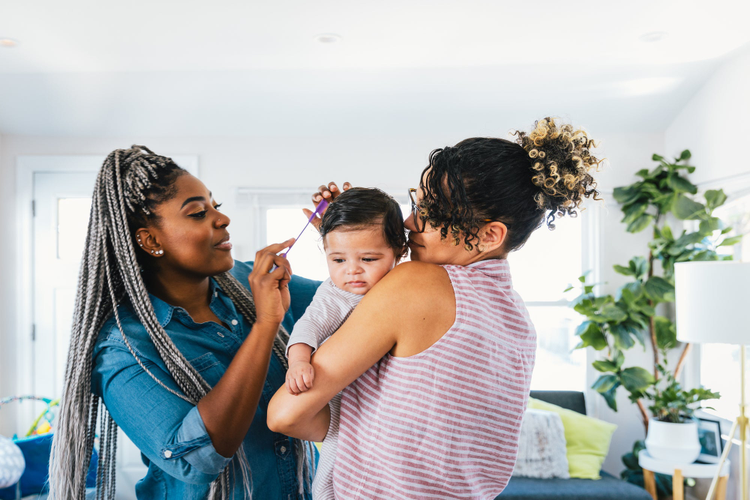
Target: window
736, 213
538, 275
540, 279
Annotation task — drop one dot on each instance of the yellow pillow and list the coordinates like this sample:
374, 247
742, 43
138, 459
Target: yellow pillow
587, 439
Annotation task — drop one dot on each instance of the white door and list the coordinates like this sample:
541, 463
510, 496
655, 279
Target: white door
62, 204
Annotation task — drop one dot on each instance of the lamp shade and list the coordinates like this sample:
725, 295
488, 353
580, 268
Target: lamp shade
712, 301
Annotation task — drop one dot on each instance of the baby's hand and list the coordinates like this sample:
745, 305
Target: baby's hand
299, 377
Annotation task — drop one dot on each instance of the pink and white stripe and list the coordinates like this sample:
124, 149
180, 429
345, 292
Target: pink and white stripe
444, 423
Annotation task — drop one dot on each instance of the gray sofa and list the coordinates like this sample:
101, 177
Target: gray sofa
606, 488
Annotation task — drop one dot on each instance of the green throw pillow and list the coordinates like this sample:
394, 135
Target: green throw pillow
587, 439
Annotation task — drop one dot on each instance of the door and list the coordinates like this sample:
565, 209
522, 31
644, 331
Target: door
62, 202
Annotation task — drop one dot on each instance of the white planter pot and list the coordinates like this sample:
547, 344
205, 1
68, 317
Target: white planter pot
676, 443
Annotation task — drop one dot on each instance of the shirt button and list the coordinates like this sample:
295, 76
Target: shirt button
234, 322
167, 454
283, 449
220, 334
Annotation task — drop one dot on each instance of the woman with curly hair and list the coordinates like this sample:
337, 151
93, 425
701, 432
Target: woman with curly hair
436, 361
177, 344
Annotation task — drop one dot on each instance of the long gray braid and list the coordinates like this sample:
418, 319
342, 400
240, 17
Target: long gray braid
129, 185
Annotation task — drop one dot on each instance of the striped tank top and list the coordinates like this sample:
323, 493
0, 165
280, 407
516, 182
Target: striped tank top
444, 423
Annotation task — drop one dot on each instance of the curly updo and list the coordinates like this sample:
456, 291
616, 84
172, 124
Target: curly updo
542, 175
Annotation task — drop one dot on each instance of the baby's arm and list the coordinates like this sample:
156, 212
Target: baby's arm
300, 375
323, 316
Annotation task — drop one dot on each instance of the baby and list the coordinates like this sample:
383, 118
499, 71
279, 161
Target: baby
363, 237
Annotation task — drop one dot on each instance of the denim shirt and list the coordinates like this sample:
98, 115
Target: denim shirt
169, 431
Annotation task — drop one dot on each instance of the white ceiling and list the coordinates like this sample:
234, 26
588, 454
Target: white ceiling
176, 68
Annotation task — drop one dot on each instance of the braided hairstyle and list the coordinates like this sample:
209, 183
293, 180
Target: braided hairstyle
523, 184
130, 184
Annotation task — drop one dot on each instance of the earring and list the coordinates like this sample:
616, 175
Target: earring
140, 244
160, 252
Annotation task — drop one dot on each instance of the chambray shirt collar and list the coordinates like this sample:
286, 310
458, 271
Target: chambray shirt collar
164, 311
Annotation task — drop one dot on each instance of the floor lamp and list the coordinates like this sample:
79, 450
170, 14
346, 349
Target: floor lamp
713, 307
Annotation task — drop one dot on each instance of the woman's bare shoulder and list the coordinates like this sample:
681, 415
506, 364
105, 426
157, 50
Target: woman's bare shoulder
423, 286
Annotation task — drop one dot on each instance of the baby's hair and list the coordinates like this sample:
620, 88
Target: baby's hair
359, 208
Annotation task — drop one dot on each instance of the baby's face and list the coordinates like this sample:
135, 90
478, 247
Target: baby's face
358, 259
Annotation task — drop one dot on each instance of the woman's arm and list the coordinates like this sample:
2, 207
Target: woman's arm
228, 409
404, 314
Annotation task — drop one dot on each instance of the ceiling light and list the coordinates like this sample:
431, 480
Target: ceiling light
654, 36
8, 43
328, 38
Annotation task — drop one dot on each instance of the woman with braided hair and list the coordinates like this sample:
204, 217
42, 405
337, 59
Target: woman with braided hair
436, 360
177, 344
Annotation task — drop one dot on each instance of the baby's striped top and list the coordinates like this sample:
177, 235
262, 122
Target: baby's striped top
444, 423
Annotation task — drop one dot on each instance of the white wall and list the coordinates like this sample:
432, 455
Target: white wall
714, 124
389, 162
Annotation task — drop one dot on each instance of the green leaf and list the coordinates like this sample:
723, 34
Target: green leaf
604, 383
715, 198
619, 359
666, 233
643, 173
685, 240
637, 331
570, 287
681, 185
635, 288
623, 270
685, 155
627, 194
656, 157
687, 209
710, 225
627, 296
731, 241
582, 279
614, 313
646, 309
659, 289
604, 365
641, 223
592, 336
610, 396
636, 379
633, 211
621, 336
666, 333
639, 266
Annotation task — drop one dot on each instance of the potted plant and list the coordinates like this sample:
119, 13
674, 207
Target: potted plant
672, 431
640, 312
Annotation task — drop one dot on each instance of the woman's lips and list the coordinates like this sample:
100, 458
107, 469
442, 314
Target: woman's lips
414, 243
224, 244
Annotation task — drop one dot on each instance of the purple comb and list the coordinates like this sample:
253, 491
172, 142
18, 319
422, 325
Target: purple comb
318, 210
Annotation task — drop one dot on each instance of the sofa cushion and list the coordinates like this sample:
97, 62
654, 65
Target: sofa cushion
587, 440
606, 488
541, 448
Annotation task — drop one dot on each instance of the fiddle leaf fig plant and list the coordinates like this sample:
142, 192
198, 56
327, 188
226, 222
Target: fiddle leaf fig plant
614, 324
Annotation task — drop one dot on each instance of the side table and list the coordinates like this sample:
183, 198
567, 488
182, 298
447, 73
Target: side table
679, 472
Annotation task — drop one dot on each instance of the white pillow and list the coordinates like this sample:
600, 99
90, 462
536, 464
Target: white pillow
541, 449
